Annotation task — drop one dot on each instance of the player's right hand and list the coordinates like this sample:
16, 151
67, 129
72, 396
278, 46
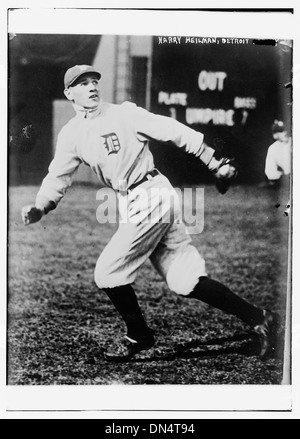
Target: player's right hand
31, 214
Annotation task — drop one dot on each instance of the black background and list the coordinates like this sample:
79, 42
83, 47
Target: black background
254, 69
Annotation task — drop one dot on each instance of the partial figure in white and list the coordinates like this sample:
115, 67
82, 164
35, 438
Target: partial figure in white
279, 156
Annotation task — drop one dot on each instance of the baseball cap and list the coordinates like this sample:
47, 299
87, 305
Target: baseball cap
278, 126
75, 72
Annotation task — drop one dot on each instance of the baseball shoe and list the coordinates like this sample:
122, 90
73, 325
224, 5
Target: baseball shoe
268, 332
126, 348
225, 174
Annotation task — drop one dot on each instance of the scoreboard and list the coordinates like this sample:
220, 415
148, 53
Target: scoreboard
231, 89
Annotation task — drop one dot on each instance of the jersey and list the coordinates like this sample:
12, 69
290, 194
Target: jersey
278, 160
114, 141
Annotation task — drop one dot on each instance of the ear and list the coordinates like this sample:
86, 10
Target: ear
69, 94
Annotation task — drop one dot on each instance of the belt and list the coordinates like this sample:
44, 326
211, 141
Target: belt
147, 177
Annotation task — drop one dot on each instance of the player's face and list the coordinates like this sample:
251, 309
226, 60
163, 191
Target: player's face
84, 91
281, 136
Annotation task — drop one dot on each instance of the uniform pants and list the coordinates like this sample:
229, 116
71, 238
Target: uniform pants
150, 227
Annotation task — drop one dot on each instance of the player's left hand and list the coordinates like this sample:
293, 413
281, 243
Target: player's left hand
224, 173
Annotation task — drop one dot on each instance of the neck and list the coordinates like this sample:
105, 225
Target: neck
87, 113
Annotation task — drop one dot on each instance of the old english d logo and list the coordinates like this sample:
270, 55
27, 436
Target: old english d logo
112, 144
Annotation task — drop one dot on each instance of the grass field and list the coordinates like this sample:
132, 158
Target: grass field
59, 323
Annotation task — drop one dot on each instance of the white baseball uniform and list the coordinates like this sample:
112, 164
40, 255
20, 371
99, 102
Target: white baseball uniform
278, 160
113, 141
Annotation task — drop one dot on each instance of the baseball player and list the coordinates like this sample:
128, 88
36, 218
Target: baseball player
278, 160
113, 141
